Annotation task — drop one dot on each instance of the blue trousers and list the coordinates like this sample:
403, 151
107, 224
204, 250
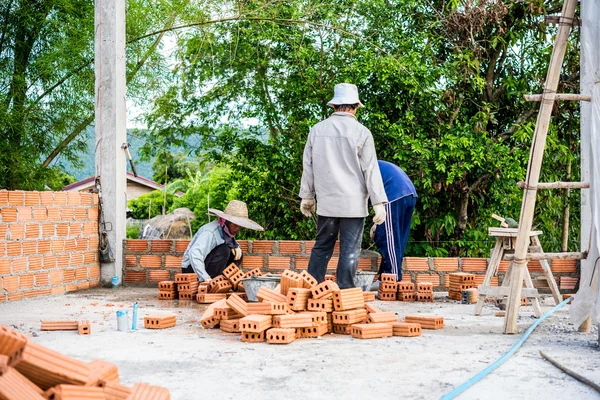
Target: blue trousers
391, 236
350, 231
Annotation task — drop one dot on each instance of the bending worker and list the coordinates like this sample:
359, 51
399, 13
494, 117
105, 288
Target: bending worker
341, 173
391, 237
214, 246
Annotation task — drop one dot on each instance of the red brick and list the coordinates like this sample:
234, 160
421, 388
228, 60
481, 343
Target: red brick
333, 262
43, 246
46, 198
13, 249
157, 276
19, 264
80, 214
279, 263
83, 285
92, 214
251, 262
25, 281
9, 214
40, 214
181, 245
90, 257
365, 264
474, 264
16, 231
15, 296
70, 245
137, 245
50, 261
262, 246
433, 278
58, 245
135, 276
53, 213
95, 199
35, 263
58, 290
56, 277
416, 264
90, 228
62, 229
67, 214
71, 288
81, 274
86, 199
3, 230
32, 198
445, 264
16, 198
289, 247
60, 198
68, 275
3, 197
534, 266
173, 261
74, 199
32, 231
243, 245
74, 229
301, 263
150, 261
4, 266
308, 245
567, 282
479, 280
11, 283
63, 260
24, 214
336, 247
81, 244
42, 279
161, 246
564, 266
94, 283
131, 260
76, 259
94, 272
94, 242
29, 247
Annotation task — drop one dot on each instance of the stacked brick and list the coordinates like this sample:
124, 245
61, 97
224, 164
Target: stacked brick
460, 282
388, 287
48, 243
31, 371
307, 310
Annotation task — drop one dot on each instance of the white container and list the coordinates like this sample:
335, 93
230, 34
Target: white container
123, 320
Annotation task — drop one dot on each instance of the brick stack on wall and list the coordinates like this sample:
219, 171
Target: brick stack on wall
48, 243
147, 262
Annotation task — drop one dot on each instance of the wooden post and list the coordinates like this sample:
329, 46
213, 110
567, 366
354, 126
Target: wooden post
535, 164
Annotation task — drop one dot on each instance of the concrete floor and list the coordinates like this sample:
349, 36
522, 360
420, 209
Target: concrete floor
193, 362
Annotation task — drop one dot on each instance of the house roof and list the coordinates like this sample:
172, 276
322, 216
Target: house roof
89, 182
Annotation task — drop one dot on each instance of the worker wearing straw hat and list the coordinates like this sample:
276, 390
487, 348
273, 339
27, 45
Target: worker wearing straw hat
340, 173
214, 247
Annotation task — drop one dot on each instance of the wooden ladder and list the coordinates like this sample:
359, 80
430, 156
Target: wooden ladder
531, 184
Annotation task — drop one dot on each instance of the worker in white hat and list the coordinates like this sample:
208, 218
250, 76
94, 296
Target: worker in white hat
214, 247
341, 174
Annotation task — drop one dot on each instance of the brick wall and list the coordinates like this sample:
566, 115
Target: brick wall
48, 243
147, 262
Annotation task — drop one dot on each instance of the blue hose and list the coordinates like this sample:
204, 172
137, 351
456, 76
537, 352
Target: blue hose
505, 357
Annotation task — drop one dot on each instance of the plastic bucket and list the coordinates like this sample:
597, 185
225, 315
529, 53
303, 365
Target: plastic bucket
123, 320
363, 280
251, 285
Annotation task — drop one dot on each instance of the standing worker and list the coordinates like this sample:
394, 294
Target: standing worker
214, 246
341, 173
391, 237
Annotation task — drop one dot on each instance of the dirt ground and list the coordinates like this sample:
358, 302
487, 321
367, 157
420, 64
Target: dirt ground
193, 362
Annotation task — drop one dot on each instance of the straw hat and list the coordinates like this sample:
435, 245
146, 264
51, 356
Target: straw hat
237, 212
345, 93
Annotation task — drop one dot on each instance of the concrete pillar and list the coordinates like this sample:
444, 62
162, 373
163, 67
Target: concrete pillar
110, 125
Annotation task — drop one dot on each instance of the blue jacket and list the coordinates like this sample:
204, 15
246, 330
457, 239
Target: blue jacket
395, 181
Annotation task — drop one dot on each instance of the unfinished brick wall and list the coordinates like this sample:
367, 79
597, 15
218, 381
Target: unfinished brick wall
147, 262
48, 243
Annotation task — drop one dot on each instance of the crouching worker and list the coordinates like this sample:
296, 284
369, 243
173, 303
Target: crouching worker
214, 247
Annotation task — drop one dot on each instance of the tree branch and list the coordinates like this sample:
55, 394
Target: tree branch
522, 118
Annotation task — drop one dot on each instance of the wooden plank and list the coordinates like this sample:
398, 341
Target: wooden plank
558, 185
559, 96
500, 291
549, 276
495, 258
535, 165
550, 256
509, 232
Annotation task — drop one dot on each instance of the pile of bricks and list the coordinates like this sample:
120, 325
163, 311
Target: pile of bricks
82, 327
187, 287
460, 282
390, 289
34, 372
301, 308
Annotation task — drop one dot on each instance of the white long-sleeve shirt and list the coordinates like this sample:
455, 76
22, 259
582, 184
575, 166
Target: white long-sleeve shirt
340, 168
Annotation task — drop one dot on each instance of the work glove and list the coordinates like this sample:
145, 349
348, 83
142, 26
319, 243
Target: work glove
380, 214
307, 207
372, 231
237, 253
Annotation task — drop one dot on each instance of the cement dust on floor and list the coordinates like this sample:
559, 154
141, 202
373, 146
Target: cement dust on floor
197, 363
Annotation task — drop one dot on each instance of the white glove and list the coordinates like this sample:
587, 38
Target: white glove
307, 207
237, 253
380, 214
372, 231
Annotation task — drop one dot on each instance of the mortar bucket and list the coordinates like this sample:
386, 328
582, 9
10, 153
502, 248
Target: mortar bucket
251, 285
363, 280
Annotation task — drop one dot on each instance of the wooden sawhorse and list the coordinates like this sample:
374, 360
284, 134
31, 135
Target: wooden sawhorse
505, 242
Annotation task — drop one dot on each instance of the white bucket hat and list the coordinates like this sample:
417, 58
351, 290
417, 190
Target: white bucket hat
345, 93
236, 212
